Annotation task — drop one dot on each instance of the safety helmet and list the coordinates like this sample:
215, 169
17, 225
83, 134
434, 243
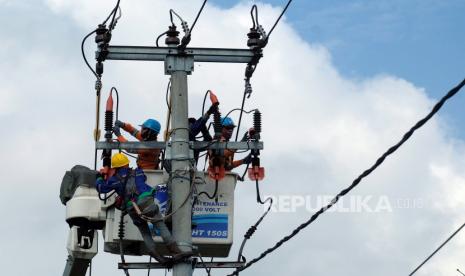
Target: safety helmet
152, 124
227, 122
119, 160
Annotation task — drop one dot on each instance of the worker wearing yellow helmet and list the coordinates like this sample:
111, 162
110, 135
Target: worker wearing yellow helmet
138, 201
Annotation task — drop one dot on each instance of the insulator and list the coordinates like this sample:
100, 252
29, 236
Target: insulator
254, 38
108, 120
257, 121
103, 36
100, 34
217, 124
121, 227
172, 36
99, 68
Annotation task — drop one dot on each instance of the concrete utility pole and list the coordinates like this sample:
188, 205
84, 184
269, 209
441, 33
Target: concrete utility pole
179, 67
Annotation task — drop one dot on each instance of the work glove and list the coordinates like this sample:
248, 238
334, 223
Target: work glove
118, 123
248, 135
117, 131
99, 175
213, 108
247, 159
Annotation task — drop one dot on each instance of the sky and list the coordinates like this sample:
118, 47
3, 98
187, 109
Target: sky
340, 82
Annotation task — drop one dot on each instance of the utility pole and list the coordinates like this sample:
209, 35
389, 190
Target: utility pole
179, 67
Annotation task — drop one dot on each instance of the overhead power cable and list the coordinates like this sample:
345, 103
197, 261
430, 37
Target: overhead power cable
198, 14
84, 54
436, 251
187, 38
113, 21
354, 184
279, 18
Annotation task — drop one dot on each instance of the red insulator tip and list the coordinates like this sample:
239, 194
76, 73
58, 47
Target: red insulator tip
110, 103
213, 97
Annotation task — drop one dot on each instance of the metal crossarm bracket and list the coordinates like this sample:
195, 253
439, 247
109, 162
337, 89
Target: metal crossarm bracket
130, 145
228, 145
160, 53
194, 145
196, 264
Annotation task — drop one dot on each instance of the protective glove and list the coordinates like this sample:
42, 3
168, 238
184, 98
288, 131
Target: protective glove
247, 159
117, 131
248, 135
251, 132
99, 175
118, 123
213, 108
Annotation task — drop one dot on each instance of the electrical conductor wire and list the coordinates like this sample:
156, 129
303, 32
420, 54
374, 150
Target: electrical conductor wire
198, 14
279, 18
436, 251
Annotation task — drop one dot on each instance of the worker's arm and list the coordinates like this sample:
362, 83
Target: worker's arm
128, 128
107, 186
237, 163
200, 123
197, 126
121, 138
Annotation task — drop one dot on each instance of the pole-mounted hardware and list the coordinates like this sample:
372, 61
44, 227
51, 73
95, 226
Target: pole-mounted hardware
256, 173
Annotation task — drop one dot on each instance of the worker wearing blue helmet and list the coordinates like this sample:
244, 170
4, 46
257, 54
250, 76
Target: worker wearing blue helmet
226, 134
147, 158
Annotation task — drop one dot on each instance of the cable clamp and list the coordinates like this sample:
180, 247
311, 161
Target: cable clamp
98, 84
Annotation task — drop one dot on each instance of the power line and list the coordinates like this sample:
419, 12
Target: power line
198, 14
436, 251
279, 18
367, 172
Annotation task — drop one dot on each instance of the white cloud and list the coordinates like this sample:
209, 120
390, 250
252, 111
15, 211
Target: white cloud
320, 130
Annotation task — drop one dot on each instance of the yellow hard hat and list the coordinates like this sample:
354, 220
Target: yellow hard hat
119, 160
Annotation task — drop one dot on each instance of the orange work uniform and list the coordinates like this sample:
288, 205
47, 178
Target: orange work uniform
147, 159
227, 160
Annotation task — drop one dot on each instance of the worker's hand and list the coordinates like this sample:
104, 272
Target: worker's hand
251, 131
118, 123
117, 131
247, 159
213, 108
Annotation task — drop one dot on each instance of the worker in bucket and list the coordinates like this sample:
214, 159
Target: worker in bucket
199, 125
147, 159
138, 201
227, 160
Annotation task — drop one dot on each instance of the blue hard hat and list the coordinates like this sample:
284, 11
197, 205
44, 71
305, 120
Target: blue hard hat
226, 121
152, 124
